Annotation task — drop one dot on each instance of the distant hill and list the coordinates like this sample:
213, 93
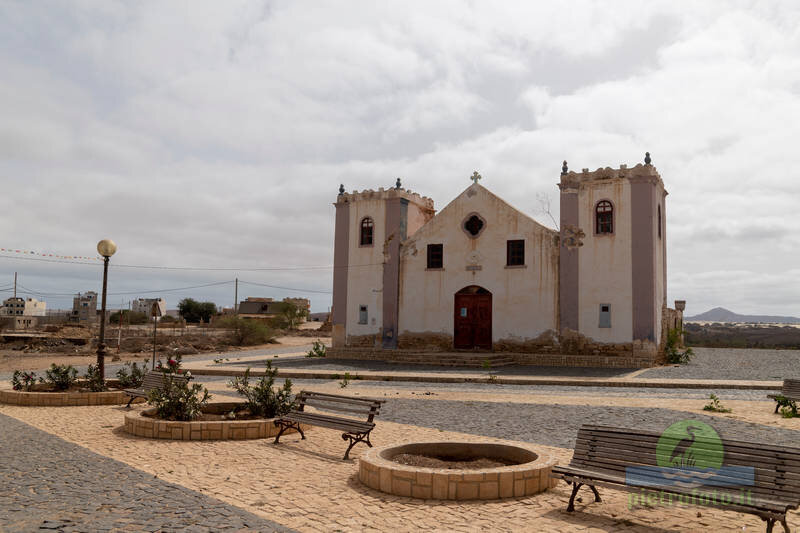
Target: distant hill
720, 314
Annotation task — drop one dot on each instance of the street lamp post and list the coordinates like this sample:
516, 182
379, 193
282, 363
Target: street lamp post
106, 248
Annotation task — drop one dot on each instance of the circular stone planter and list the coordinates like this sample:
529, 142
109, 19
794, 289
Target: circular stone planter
530, 476
66, 398
143, 424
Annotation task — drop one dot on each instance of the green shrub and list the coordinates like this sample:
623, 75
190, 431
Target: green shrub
173, 365
128, 317
61, 376
345, 381
715, 405
94, 380
788, 408
177, 400
245, 332
318, 349
24, 381
262, 398
674, 355
131, 376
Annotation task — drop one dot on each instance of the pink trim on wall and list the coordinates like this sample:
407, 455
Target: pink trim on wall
643, 259
341, 252
396, 220
568, 266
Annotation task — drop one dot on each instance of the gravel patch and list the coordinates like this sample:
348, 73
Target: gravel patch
726, 363
557, 425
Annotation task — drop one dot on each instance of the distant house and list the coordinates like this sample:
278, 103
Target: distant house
267, 307
23, 307
145, 305
84, 307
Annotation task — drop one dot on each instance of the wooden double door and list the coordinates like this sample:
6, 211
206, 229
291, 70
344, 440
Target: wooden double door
473, 319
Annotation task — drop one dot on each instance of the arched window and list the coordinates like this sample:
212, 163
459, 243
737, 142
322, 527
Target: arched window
366, 231
604, 217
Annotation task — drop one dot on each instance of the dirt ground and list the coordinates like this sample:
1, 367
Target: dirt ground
11, 360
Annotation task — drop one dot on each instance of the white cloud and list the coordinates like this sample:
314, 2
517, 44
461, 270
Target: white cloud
216, 134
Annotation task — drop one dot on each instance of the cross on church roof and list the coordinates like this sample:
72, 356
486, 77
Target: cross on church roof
475, 176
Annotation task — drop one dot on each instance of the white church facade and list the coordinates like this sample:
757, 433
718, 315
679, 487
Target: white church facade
481, 275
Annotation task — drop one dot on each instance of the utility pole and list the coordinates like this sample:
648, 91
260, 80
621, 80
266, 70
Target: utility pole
235, 297
15, 284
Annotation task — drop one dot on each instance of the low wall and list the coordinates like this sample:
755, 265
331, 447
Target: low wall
628, 360
140, 425
56, 399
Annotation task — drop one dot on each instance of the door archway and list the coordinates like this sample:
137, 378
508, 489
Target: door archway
472, 319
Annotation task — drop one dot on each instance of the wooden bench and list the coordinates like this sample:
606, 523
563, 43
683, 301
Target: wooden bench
354, 430
154, 379
604, 454
790, 390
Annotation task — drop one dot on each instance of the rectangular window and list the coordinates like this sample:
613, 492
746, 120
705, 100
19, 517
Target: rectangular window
435, 256
605, 316
515, 253
362, 314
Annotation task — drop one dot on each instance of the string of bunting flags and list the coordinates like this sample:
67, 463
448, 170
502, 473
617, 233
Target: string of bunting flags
55, 256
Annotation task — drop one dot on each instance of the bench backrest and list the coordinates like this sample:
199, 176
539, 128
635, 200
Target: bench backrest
154, 379
612, 450
791, 388
365, 407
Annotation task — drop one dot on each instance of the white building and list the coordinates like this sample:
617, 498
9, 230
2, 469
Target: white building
23, 307
145, 305
481, 275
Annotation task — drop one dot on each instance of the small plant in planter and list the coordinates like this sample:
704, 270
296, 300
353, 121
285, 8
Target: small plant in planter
131, 376
178, 400
94, 380
24, 381
262, 399
61, 376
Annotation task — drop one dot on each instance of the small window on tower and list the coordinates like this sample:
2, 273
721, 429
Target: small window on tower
604, 217
605, 316
515, 252
659, 221
366, 231
362, 314
435, 256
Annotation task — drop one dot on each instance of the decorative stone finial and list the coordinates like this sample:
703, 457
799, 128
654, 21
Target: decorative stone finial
564, 168
647, 158
397, 184
475, 177
341, 188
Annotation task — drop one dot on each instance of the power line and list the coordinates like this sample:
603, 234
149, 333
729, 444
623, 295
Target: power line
285, 288
208, 269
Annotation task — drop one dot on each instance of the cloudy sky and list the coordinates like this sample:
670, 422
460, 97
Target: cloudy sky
214, 135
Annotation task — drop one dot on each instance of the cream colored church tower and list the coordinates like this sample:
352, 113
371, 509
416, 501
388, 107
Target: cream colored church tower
613, 259
370, 225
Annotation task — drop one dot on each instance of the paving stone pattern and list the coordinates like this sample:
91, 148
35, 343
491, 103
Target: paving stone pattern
557, 425
50, 484
723, 363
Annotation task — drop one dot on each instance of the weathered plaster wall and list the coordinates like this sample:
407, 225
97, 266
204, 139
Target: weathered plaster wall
605, 261
524, 300
365, 272
661, 257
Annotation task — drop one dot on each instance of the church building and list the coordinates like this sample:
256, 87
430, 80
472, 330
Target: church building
481, 276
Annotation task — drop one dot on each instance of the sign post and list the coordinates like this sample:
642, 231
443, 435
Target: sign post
155, 312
